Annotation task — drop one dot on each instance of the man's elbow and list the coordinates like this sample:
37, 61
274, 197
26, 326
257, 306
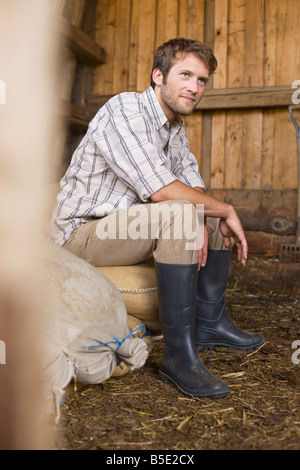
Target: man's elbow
158, 196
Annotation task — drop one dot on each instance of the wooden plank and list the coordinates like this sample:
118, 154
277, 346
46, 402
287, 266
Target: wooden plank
78, 116
89, 27
219, 117
217, 172
235, 78
84, 79
285, 155
146, 44
233, 146
265, 244
287, 68
263, 97
209, 19
193, 126
182, 31
89, 19
101, 36
253, 76
205, 168
236, 43
273, 211
252, 150
191, 19
133, 45
267, 153
171, 19
166, 21
108, 68
220, 42
121, 55
191, 25
75, 11
288, 47
160, 23
247, 97
85, 48
254, 44
66, 74
95, 102
197, 10
270, 45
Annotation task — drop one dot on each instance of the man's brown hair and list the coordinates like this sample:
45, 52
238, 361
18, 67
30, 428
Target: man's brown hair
165, 55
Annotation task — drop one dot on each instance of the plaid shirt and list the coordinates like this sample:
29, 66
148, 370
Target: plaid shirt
129, 152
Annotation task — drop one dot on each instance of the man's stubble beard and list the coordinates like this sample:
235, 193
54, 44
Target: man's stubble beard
172, 102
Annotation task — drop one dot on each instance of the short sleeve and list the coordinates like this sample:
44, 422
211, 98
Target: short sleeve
126, 143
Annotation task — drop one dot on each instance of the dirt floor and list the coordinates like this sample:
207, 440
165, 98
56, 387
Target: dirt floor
139, 412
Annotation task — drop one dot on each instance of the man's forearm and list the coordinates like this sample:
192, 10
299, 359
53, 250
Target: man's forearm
230, 225
179, 190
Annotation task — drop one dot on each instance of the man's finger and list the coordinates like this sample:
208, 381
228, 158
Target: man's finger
199, 258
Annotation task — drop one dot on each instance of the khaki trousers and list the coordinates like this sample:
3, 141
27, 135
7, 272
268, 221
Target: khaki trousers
165, 230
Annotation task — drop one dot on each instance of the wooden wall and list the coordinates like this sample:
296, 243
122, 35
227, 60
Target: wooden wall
255, 42
244, 152
246, 144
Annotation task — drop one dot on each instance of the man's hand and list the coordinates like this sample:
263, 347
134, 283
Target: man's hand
232, 227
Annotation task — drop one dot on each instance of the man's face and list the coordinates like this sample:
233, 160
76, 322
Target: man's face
184, 86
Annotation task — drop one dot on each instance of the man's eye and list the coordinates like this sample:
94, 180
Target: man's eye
185, 74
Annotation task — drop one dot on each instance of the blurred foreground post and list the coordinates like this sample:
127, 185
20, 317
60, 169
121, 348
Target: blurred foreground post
27, 67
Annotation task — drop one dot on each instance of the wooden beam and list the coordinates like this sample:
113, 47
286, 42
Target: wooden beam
95, 102
78, 116
246, 97
230, 98
84, 79
85, 48
270, 211
265, 244
207, 118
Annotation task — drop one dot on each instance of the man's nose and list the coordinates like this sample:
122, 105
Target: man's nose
193, 86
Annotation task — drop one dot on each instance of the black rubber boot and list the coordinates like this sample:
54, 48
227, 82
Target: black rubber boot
180, 364
213, 325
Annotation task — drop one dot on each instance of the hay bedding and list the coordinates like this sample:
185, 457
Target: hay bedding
138, 412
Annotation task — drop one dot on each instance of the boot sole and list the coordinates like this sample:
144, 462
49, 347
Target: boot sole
170, 381
211, 346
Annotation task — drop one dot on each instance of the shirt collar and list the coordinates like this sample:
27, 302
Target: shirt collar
157, 113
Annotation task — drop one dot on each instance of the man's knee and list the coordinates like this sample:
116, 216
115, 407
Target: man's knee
215, 237
176, 217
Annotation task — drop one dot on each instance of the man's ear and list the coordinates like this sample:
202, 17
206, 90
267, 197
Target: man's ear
157, 76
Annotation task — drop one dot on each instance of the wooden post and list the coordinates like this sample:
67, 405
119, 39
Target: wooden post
28, 64
209, 18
